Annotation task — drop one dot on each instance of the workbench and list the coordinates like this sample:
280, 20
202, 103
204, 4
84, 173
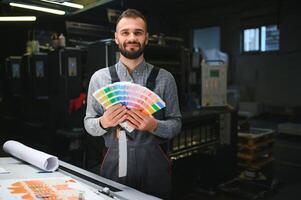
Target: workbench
106, 189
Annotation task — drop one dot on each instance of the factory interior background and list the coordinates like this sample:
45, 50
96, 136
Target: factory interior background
236, 63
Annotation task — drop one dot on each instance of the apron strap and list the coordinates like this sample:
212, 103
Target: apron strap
151, 80
113, 73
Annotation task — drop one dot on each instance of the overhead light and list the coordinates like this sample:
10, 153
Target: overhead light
18, 18
38, 8
73, 5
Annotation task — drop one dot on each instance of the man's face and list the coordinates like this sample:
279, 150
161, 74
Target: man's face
131, 37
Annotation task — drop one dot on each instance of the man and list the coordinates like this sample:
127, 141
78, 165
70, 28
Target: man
148, 167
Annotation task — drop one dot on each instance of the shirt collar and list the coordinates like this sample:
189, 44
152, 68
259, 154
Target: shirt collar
140, 68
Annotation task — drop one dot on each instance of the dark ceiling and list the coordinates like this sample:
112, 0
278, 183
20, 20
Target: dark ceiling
163, 12
6, 9
93, 6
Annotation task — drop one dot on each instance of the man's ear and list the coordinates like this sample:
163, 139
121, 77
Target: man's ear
147, 36
116, 41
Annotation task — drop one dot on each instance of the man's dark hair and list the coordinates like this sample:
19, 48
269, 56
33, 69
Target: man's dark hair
132, 13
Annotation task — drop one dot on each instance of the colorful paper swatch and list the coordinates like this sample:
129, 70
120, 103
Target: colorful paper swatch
131, 95
55, 188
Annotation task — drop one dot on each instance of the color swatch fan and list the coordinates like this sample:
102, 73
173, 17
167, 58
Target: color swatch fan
131, 95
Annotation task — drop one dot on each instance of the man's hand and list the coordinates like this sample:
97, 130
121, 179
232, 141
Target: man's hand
113, 116
141, 121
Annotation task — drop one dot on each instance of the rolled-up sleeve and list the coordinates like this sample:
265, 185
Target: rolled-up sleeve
172, 124
94, 110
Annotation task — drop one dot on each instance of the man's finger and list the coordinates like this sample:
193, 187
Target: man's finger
139, 112
122, 119
136, 114
117, 111
114, 108
134, 121
119, 115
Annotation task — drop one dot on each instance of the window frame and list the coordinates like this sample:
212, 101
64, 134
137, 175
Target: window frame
259, 27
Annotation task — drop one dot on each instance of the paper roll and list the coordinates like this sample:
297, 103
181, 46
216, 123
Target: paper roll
37, 158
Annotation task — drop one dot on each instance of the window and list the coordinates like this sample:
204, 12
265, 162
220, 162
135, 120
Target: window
251, 39
264, 38
269, 38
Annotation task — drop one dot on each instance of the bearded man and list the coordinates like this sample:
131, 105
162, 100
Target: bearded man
148, 166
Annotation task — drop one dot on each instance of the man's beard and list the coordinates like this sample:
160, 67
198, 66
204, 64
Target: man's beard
132, 54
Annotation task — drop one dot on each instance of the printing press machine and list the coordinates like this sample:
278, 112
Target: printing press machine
204, 153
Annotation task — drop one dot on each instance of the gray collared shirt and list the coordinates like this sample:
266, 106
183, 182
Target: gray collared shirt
165, 87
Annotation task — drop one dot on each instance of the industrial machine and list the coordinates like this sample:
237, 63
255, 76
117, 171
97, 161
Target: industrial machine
204, 154
214, 83
13, 90
36, 97
66, 87
100, 54
173, 58
208, 78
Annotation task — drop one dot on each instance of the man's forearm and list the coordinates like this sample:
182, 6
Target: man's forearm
168, 128
93, 127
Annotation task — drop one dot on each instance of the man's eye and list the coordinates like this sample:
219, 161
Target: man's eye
124, 33
138, 33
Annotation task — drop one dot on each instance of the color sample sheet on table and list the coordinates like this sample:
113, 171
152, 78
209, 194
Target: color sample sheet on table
56, 188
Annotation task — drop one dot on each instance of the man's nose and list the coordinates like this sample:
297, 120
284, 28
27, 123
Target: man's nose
132, 37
